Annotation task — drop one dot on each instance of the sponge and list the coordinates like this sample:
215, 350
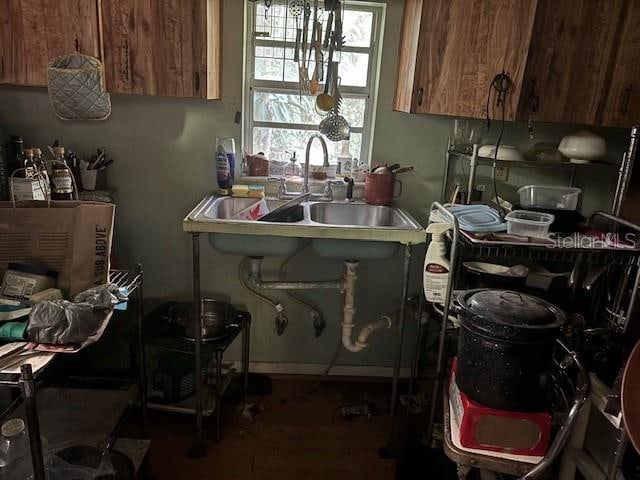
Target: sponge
250, 191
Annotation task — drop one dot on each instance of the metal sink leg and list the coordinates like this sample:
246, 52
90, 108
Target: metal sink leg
199, 449
398, 353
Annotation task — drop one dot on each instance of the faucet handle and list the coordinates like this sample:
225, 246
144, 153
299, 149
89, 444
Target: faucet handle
328, 191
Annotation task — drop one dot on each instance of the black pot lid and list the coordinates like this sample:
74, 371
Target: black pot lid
512, 308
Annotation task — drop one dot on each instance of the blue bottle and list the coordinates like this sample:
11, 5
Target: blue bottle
225, 161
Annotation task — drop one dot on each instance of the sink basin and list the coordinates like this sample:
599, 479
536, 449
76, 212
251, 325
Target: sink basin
225, 208
339, 230
358, 215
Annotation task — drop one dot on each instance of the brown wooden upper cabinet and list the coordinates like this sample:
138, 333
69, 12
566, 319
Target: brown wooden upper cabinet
452, 49
570, 61
622, 105
568, 68
34, 32
163, 47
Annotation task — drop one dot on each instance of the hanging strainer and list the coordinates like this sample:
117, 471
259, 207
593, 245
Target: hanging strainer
335, 127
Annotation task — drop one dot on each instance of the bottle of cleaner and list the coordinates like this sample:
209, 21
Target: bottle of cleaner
436, 265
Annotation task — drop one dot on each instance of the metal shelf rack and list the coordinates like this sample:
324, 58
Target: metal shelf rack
131, 282
216, 349
475, 161
463, 245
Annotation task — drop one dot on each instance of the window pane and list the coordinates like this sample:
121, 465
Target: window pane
272, 22
354, 68
291, 108
274, 142
356, 28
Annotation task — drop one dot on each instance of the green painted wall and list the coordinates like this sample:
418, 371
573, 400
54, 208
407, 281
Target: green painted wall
164, 166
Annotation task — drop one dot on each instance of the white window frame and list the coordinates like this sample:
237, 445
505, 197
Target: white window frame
370, 92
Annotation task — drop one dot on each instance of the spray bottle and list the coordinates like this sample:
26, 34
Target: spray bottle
436, 265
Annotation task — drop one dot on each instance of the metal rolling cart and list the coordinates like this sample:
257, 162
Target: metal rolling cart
27, 382
464, 245
210, 348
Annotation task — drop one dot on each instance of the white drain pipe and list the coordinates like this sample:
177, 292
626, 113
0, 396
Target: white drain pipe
347, 285
349, 313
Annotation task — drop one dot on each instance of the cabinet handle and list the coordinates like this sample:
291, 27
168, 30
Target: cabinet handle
626, 99
420, 96
77, 44
125, 63
197, 81
534, 99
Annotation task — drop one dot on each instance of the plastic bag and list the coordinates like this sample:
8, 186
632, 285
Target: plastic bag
103, 296
61, 322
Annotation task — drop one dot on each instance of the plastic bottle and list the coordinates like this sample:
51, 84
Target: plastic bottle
436, 265
15, 460
345, 161
225, 161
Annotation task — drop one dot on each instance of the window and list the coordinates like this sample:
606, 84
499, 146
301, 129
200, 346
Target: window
278, 118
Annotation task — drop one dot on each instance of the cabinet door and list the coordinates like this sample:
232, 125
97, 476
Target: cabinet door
568, 67
463, 45
622, 106
162, 47
406, 94
34, 32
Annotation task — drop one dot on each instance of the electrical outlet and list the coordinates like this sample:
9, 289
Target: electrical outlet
502, 173
481, 188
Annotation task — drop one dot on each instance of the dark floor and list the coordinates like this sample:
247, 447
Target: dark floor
302, 439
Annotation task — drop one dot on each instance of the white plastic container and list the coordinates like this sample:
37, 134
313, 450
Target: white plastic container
529, 224
547, 196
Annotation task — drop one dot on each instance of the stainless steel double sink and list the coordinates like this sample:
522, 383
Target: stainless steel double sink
342, 230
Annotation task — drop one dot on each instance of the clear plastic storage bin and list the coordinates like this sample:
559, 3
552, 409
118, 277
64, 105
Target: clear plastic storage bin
547, 196
529, 224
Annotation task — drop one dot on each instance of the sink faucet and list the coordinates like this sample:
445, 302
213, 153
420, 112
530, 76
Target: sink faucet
305, 187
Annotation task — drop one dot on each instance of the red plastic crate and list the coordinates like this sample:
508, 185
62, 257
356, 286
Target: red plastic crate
484, 428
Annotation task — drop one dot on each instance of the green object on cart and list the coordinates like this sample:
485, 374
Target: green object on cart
13, 331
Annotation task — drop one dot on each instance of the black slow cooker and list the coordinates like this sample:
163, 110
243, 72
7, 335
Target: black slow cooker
505, 348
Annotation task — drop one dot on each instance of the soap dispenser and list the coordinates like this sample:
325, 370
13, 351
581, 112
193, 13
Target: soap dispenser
293, 169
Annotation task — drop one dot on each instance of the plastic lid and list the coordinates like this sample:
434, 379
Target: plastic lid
513, 308
478, 218
13, 427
